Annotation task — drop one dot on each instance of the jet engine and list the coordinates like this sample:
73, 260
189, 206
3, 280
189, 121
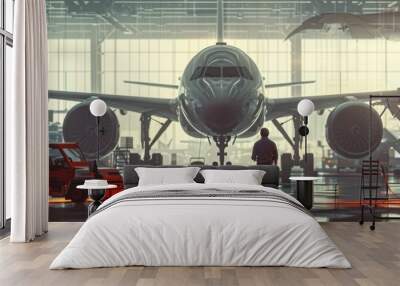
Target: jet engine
348, 130
80, 126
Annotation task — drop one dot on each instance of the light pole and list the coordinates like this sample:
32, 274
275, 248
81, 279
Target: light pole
305, 107
98, 108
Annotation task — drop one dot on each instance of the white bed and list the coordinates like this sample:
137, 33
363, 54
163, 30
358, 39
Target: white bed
184, 230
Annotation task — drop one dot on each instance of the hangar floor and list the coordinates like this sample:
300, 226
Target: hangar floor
336, 198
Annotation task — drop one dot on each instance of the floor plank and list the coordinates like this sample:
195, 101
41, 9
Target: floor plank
375, 257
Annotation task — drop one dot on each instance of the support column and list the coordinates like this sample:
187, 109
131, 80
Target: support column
296, 68
95, 63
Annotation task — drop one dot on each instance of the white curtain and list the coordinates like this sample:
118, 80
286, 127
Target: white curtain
26, 124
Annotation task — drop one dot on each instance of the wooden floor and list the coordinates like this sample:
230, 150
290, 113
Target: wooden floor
375, 257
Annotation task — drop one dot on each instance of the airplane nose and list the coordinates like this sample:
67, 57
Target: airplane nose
222, 116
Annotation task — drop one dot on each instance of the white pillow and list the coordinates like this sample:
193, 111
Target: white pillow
248, 177
166, 176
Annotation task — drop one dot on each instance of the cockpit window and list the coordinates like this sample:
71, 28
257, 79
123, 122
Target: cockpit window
230, 72
224, 72
212, 72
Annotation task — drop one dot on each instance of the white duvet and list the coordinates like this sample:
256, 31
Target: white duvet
200, 231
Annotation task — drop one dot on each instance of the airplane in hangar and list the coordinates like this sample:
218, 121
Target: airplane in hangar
221, 97
384, 25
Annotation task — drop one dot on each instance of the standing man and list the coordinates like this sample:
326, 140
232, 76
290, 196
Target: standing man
264, 150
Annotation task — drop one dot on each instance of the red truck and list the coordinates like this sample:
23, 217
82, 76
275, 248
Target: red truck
69, 168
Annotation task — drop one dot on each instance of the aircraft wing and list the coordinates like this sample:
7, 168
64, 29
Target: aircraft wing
163, 107
280, 107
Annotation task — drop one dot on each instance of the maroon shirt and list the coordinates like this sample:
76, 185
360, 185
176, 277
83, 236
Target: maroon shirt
265, 152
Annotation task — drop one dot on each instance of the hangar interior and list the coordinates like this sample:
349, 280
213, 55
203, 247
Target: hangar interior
94, 46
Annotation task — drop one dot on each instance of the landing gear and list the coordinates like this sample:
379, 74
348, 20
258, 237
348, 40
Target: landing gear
286, 167
147, 143
287, 160
145, 121
222, 143
287, 163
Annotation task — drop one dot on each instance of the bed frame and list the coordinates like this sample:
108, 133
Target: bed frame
270, 179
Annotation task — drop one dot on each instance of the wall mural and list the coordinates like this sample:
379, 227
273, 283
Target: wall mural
198, 89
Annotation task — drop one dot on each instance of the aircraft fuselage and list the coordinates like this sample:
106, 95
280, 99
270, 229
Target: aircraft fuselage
221, 94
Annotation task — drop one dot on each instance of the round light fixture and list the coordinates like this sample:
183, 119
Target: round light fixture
98, 107
305, 107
